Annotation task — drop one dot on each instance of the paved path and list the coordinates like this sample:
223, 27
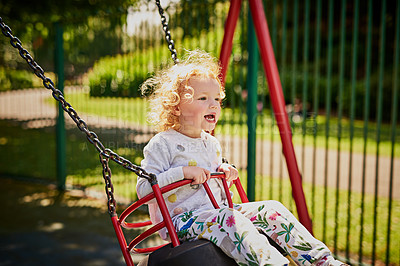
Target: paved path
28, 105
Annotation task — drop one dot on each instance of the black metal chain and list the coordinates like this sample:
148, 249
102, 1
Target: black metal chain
105, 153
171, 44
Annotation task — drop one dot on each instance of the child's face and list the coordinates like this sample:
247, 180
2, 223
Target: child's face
203, 111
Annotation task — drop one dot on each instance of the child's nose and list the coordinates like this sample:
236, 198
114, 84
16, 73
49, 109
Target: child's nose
214, 105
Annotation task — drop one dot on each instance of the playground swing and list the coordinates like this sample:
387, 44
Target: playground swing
177, 253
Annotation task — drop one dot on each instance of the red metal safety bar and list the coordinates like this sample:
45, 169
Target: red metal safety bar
120, 222
275, 87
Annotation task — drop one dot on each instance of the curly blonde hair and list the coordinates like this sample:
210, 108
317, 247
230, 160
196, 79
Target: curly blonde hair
168, 86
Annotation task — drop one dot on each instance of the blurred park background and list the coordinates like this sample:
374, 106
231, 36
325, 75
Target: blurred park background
339, 67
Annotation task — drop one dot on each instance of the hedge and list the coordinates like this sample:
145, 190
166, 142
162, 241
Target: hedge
14, 79
122, 75
11, 79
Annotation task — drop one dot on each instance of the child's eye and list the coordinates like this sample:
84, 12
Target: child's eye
203, 98
218, 99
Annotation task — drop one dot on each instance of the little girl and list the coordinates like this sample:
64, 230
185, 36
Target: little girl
185, 103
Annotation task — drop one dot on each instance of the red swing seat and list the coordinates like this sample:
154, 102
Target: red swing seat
174, 253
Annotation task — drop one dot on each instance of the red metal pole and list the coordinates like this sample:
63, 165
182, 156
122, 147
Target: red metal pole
227, 192
226, 47
121, 241
165, 215
210, 195
240, 189
278, 104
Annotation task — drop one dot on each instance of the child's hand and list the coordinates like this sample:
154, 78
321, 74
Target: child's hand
198, 174
231, 173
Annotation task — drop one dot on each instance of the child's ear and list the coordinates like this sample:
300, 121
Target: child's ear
176, 111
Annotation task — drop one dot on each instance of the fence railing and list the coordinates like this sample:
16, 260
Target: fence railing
339, 67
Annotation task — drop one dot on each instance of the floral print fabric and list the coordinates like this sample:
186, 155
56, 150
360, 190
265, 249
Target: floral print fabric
237, 232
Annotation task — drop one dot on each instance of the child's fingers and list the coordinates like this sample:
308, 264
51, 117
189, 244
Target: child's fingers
227, 174
234, 174
205, 175
199, 179
208, 174
230, 172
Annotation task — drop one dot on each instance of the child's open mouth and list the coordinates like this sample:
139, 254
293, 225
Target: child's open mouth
210, 118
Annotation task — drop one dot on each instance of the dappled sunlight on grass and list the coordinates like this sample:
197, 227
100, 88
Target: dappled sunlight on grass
52, 227
234, 122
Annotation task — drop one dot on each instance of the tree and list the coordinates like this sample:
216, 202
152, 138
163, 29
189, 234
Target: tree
99, 21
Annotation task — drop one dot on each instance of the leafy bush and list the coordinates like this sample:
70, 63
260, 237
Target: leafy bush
11, 79
122, 75
321, 88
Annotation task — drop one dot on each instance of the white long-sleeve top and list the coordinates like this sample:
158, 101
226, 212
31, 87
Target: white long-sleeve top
165, 155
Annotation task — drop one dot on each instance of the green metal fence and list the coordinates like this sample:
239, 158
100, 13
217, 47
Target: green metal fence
339, 67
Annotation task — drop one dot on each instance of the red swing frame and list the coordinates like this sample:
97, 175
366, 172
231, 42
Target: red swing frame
278, 105
120, 222
275, 90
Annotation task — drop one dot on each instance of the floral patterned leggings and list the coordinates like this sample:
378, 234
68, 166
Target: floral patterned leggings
236, 232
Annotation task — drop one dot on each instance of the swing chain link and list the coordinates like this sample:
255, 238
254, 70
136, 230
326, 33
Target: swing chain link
171, 43
105, 153
111, 203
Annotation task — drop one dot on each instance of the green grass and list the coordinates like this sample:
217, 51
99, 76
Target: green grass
280, 189
125, 109
233, 122
31, 152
